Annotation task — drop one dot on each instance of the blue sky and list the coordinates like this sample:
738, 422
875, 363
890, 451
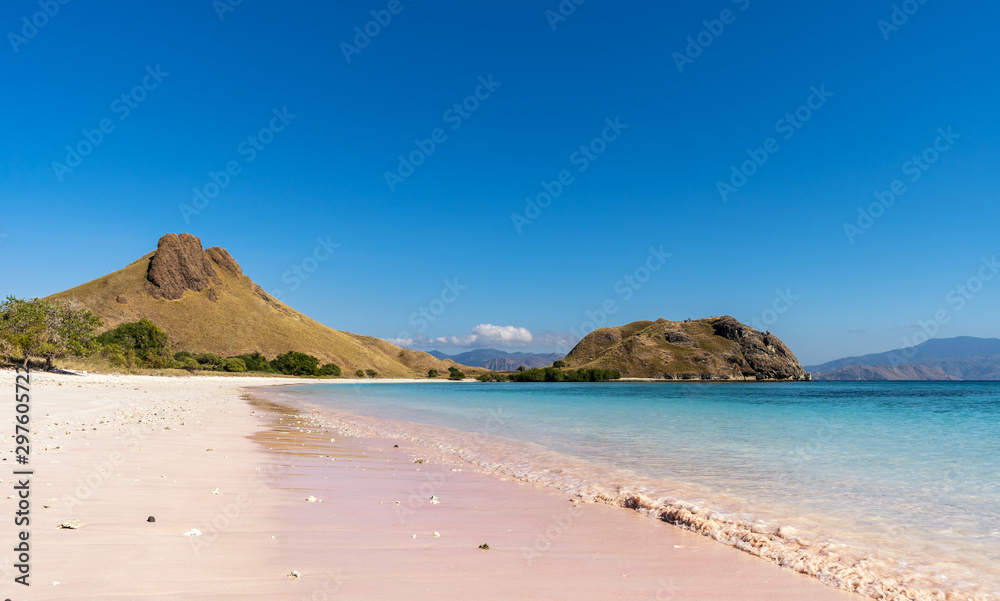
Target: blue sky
392, 169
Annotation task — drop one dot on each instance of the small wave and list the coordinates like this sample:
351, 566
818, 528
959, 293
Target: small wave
844, 565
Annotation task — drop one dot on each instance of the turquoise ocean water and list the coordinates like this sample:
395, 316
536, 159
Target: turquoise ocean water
882, 488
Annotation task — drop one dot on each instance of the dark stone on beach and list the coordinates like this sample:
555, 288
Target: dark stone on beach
150, 519
395, 446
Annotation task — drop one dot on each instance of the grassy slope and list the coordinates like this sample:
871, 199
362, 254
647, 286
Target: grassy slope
641, 349
242, 319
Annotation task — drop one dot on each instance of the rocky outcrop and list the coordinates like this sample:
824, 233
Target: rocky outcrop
223, 259
765, 356
717, 348
180, 264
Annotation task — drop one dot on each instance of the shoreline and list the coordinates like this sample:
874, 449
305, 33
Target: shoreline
112, 451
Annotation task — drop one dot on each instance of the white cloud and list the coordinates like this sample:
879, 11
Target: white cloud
489, 335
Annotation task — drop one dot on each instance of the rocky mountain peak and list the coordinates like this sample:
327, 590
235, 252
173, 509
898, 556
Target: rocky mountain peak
181, 264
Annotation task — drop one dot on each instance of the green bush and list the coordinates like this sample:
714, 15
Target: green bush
360, 373
234, 365
117, 356
371, 373
552, 374
189, 363
149, 344
210, 361
330, 369
432, 373
294, 363
455, 374
492, 377
559, 363
255, 362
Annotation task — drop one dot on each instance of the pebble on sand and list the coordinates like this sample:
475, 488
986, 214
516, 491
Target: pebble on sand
150, 519
70, 525
311, 499
193, 532
294, 574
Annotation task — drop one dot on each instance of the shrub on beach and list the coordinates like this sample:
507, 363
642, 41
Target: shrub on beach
211, 362
432, 373
148, 343
371, 373
330, 369
360, 373
294, 363
117, 356
234, 365
455, 374
492, 377
553, 374
255, 362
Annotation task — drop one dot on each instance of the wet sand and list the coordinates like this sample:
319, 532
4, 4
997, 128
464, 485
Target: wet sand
110, 451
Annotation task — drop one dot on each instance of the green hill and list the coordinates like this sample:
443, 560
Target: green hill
716, 348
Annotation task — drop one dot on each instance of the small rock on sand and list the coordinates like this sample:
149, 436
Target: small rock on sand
70, 525
150, 519
311, 499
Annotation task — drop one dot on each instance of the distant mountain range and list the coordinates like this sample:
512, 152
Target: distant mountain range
959, 358
498, 360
